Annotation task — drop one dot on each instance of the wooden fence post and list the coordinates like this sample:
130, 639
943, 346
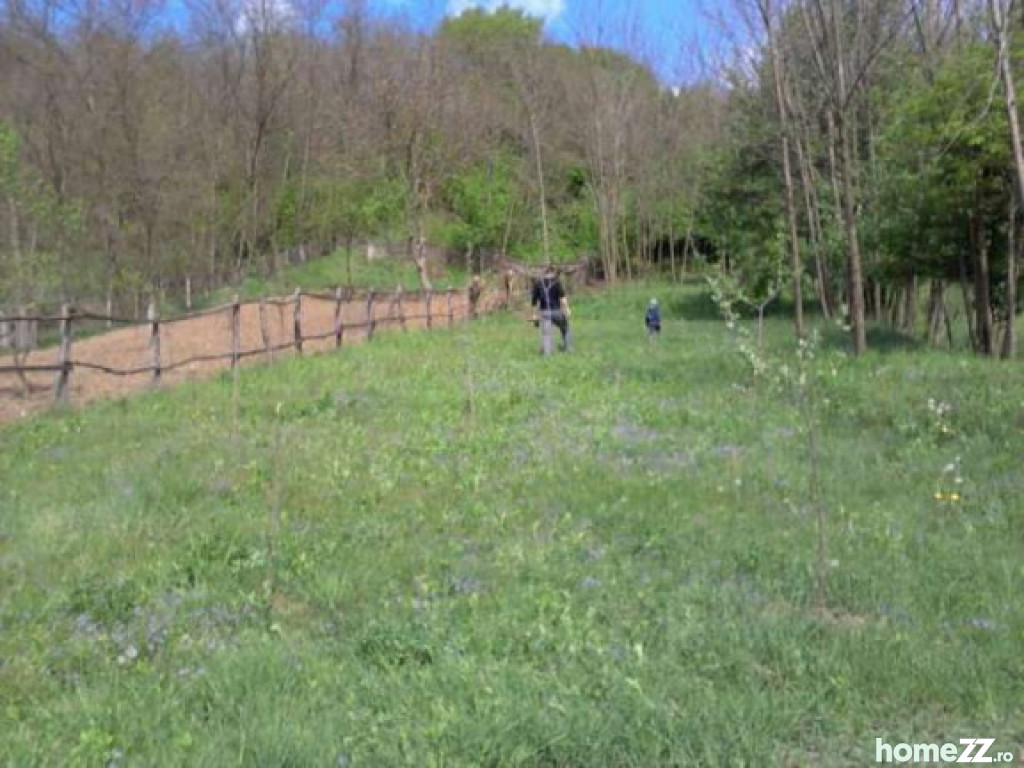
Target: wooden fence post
401, 308
451, 309
430, 314
369, 315
264, 331
298, 321
154, 339
188, 292
236, 358
236, 332
64, 375
339, 328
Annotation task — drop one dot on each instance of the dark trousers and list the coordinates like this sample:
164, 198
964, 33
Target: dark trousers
557, 318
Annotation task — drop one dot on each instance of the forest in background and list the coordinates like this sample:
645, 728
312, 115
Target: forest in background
859, 152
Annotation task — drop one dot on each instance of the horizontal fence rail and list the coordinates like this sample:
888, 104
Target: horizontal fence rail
158, 347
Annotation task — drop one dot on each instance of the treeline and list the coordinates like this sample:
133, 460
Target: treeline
859, 151
871, 160
134, 151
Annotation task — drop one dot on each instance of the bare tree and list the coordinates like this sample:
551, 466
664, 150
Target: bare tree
769, 19
847, 39
1000, 19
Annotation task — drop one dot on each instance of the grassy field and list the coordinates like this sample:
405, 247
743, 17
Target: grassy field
444, 550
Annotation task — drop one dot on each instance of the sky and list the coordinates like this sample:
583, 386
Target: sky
679, 39
664, 33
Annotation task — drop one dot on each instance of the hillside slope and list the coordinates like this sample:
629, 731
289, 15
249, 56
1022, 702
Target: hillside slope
445, 550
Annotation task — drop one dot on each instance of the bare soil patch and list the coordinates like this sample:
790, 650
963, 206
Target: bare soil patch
128, 348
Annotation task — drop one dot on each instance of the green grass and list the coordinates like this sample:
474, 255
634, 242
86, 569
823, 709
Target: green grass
443, 550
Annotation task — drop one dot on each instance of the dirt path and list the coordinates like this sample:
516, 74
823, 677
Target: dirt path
128, 348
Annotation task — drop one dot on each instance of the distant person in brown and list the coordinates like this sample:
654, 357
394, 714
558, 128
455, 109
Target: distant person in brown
476, 290
509, 277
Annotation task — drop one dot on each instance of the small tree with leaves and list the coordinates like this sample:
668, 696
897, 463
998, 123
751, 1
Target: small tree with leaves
801, 379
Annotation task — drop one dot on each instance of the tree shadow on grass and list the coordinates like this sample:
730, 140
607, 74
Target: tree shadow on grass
880, 339
693, 306
701, 307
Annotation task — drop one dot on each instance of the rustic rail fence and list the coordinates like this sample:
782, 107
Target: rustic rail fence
152, 349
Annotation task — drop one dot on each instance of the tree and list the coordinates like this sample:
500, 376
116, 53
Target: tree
1000, 20
507, 44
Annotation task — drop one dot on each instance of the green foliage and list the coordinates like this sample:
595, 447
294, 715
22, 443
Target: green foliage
622, 67
42, 222
483, 34
945, 152
607, 563
343, 267
741, 205
353, 207
577, 226
10, 166
482, 199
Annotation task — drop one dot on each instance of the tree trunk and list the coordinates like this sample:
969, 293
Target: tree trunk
1009, 350
855, 276
910, 304
688, 250
672, 249
936, 304
983, 299
837, 195
965, 290
606, 234
895, 309
420, 260
623, 250
982, 284
814, 228
542, 193
110, 298
795, 264
1000, 22
840, 108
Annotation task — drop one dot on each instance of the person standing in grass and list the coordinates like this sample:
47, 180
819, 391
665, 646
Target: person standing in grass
551, 307
653, 319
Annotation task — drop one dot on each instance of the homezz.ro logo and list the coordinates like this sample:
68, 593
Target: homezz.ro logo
968, 751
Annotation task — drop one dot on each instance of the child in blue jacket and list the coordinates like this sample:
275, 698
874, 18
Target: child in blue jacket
653, 319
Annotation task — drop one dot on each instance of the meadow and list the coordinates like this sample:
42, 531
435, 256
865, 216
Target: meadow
444, 550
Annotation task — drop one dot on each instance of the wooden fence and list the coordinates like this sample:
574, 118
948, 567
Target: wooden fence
194, 342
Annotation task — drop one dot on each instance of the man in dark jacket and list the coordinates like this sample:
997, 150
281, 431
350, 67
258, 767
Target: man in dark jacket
551, 306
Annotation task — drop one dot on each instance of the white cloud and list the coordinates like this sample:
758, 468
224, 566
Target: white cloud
264, 16
545, 9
